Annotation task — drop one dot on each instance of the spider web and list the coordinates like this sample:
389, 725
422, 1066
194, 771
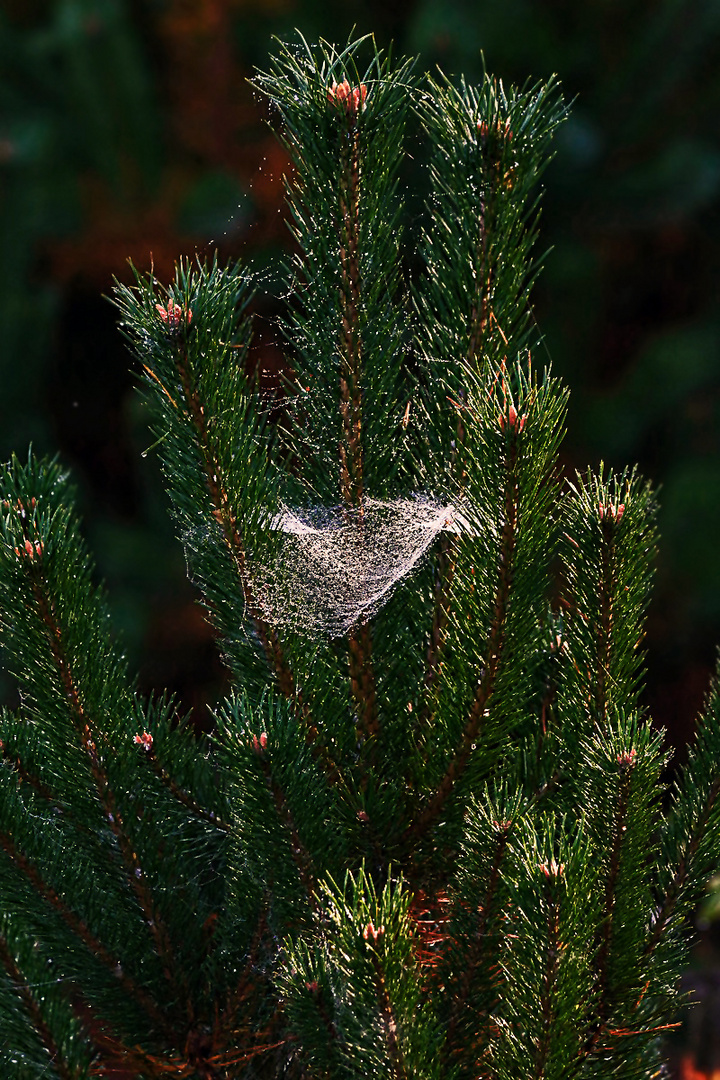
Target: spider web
335, 567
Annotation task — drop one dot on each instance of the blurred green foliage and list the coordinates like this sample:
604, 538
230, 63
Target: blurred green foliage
128, 129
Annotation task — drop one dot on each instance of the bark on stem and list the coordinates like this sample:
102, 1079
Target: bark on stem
33, 1011
496, 643
362, 678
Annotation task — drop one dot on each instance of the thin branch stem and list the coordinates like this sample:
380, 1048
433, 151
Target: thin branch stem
81, 931
496, 643
664, 915
300, 854
606, 930
32, 1009
397, 1063
182, 796
85, 728
552, 966
475, 952
606, 621
225, 516
362, 677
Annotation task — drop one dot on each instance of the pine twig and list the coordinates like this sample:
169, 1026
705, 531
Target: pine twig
182, 796
389, 1022
663, 916
225, 517
32, 1009
362, 679
76, 925
496, 642
88, 739
606, 925
477, 953
552, 966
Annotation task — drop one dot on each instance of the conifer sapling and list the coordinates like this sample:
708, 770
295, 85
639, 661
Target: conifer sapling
428, 837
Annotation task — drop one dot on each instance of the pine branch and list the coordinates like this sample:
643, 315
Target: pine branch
82, 932
34, 1013
553, 949
618, 834
493, 653
224, 515
169, 784
608, 599
301, 857
389, 1022
90, 735
351, 346
26, 777
479, 953
685, 870
362, 679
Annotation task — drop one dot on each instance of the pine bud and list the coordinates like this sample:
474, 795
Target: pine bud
350, 98
29, 550
145, 740
512, 421
174, 314
370, 933
611, 512
259, 745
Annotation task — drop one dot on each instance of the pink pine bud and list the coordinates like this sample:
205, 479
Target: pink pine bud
512, 421
312, 986
259, 745
29, 550
484, 129
370, 933
350, 98
174, 314
145, 740
627, 757
552, 868
611, 512
362, 815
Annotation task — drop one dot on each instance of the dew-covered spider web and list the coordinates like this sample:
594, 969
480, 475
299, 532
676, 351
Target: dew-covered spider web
336, 567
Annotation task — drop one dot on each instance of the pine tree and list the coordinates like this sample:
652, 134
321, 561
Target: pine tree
430, 834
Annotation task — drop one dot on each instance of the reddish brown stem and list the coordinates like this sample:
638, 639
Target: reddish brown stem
182, 796
25, 777
362, 678
225, 517
605, 625
607, 926
300, 855
496, 642
351, 448
475, 955
389, 1022
89, 737
664, 915
32, 1009
552, 965
81, 931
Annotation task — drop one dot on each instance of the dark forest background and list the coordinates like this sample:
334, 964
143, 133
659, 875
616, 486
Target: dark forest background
129, 130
